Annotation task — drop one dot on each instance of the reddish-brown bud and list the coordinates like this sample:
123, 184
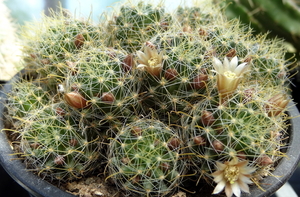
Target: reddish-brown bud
136, 131
107, 97
79, 41
164, 25
32, 55
264, 160
248, 59
73, 142
174, 143
35, 145
276, 105
202, 32
218, 145
231, 53
128, 63
171, 74
199, 81
248, 95
241, 154
125, 160
207, 118
45, 61
136, 179
165, 166
59, 160
150, 45
199, 140
219, 129
187, 29
76, 100
59, 111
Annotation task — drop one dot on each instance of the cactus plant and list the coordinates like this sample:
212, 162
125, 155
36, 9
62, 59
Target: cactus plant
164, 98
64, 150
144, 158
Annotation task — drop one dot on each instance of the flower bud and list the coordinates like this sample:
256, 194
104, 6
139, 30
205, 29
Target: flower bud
35, 145
76, 100
165, 166
276, 105
199, 140
248, 59
218, 145
241, 155
264, 160
171, 74
59, 160
199, 81
59, 111
107, 97
79, 41
150, 45
45, 61
136, 131
207, 118
174, 143
164, 25
73, 142
202, 32
231, 53
187, 29
248, 95
128, 63
125, 160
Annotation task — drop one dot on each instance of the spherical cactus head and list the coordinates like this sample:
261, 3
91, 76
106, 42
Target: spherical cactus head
144, 158
56, 147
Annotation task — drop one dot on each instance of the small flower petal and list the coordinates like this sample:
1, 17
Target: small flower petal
233, 63
236, 189
219, 187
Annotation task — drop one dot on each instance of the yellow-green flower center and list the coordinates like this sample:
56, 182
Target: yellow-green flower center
230, 75
231, 174
153, 61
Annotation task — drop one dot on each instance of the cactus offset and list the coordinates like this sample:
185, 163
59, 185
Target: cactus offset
144, 158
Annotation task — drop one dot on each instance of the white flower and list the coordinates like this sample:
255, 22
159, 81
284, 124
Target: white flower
234, 176
229, 75
150, 60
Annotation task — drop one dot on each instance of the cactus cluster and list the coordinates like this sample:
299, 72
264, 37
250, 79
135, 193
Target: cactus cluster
160, 97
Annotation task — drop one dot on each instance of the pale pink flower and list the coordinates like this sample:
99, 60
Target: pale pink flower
234, 176
229, 74
150, 60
